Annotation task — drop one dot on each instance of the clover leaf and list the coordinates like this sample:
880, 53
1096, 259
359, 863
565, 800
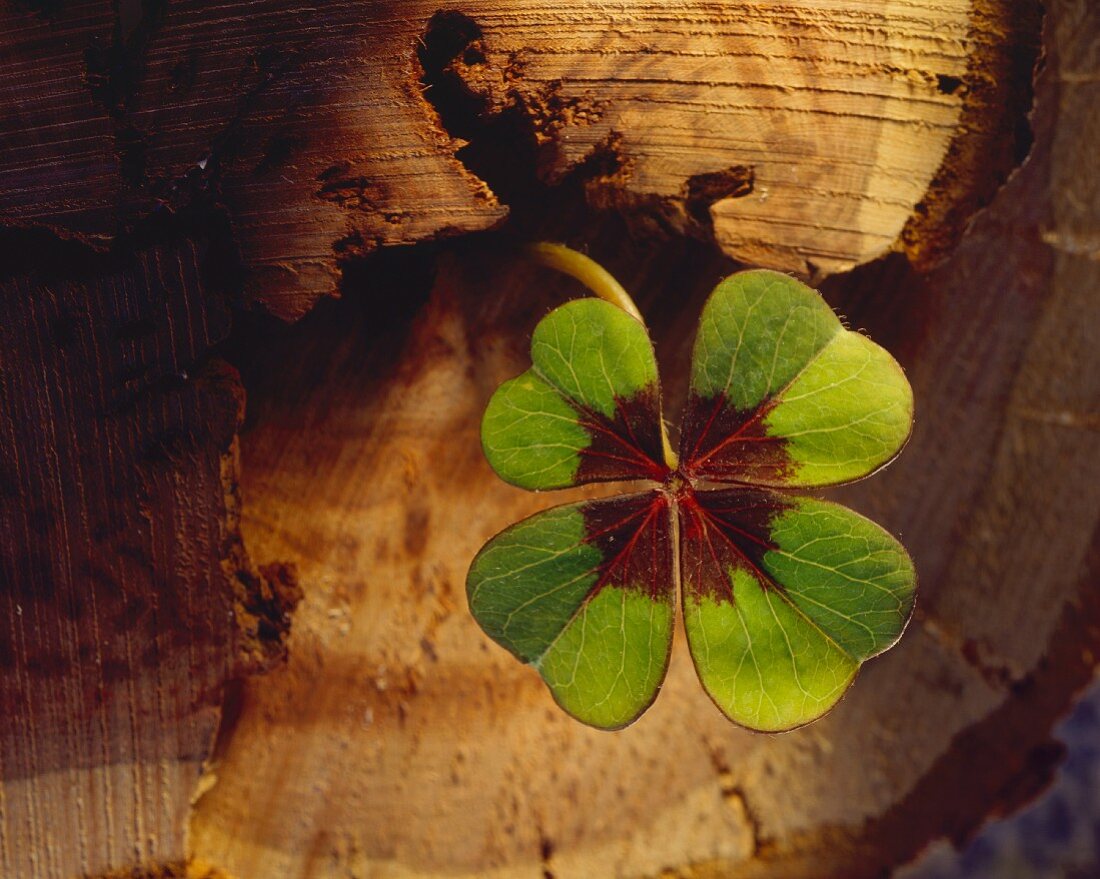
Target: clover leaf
783, 596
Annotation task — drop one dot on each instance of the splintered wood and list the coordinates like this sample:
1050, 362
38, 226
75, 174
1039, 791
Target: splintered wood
834, 112
802, 136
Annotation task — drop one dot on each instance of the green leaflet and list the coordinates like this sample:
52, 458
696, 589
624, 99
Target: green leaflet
781, 394
783, 597
764, 665
588, 410
758, 330
532, 437
846, 574
584, 593
608, 665
594, 353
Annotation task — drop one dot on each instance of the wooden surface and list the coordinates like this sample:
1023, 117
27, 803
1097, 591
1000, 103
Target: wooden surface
127, 597
804, 136
397, 741
57, 158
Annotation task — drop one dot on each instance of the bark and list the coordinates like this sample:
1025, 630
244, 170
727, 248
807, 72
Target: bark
396, 740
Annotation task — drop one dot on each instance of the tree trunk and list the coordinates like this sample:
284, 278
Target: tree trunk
175, 185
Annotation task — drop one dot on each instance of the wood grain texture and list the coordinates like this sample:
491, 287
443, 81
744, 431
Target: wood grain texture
399, 741
803, 136
836, 115
127, 598
57, 158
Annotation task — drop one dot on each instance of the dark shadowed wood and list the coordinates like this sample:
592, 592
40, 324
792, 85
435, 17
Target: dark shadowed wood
57, 159
127, 597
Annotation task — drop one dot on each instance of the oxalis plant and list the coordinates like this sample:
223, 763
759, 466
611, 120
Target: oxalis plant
784, 596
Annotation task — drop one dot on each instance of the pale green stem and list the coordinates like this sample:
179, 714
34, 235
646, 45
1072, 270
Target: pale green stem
600, 281
671, 459
586, 270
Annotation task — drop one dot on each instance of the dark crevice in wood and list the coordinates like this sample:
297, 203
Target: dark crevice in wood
451, 38
546, 854
703, 190
947, 84
500, 146
380, 294
55, 257
501, 141
735, 794
232, 708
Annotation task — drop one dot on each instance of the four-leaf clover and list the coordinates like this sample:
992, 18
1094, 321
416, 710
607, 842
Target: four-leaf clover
783, 596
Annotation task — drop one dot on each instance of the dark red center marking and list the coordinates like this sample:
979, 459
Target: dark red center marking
627, 446
725, 444
725, 529
633, 534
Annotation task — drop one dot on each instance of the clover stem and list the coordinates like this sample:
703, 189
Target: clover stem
586, 270
601, 282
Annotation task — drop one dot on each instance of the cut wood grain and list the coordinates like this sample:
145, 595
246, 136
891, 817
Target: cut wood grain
803, 136
806, 135
399, 741
127, 597
57, 153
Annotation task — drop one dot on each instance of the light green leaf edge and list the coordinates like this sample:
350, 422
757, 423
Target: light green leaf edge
843, 403
587, 352
815, 626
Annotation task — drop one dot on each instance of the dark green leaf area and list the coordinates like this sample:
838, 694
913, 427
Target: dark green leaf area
782, 395
584, 593
588, 409
538, 438
847, 574
531, 581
